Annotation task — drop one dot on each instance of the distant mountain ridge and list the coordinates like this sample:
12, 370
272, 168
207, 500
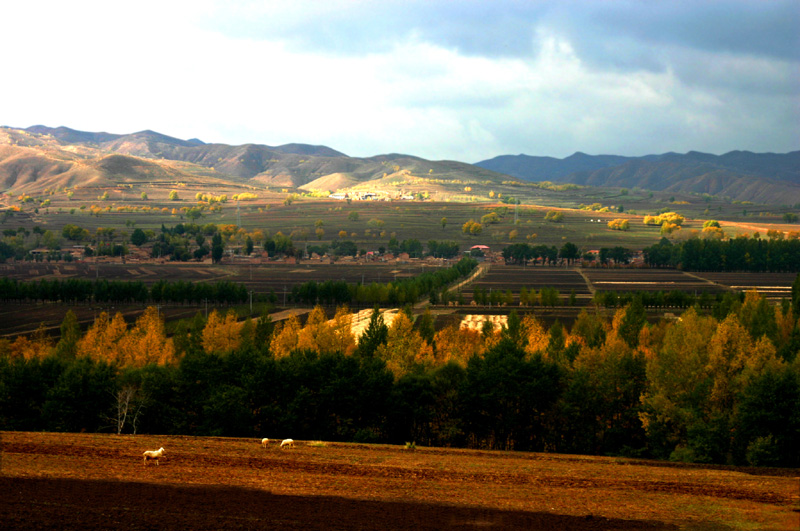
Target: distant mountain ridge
149, 143
530, 168
743, 175
42, 157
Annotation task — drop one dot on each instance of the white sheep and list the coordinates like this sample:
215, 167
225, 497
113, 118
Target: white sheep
153, 454
287, 442
264, 442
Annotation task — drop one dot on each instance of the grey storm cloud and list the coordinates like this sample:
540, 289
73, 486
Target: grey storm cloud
706, 43
464, 79
507, 27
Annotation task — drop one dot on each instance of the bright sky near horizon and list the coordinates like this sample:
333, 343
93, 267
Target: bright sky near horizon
464, 80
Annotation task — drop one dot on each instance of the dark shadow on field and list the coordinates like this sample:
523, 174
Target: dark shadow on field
27, 503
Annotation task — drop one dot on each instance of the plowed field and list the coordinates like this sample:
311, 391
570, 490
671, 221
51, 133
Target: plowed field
83, 481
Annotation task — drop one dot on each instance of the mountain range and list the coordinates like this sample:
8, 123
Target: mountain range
742, 175
41, 157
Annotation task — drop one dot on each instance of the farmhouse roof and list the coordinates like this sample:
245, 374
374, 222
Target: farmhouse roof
481, 247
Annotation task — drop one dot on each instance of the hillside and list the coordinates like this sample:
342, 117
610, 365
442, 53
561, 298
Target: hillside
40, 157
31, 163
741, 175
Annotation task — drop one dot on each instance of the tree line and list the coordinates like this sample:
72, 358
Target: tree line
720, 388
75, 290
735, 254
522, 253
400, 291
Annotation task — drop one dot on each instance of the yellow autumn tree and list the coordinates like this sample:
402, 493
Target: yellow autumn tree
37, 347
596, 359
762, 358
536, 335
676, 374
317, 334
735, 359
284, 340
342, 327
458, 345
146, 342
222, 335
651, 338
785, 322
405, 347
728, 349
100, 340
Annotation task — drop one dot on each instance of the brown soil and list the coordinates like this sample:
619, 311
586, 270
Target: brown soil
71, 481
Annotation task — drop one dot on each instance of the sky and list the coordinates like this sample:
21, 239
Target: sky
440, 79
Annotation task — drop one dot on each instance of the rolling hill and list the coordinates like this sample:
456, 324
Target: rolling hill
741, 175
40, 157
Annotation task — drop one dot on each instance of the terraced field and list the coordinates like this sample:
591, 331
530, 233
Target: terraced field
622, 280
773, 285
512, 277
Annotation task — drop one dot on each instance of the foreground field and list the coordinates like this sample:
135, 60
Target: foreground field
72, 481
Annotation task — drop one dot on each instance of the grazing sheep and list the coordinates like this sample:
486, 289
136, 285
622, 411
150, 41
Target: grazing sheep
287, 442
153, 454
264, 442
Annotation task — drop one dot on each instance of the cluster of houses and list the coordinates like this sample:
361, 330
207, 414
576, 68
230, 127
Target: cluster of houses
371, 196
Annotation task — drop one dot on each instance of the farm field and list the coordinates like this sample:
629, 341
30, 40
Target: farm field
512, 277
260, 278
279, 278
623, 280
585, 281
403, 220
773, 285
93, 481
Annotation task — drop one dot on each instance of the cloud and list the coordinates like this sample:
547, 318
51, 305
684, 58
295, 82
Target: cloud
442, 80
502, 28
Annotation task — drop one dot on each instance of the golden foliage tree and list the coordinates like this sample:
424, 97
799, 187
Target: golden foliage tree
610, 352
342, 327
651, 338
677, 375
100, 341
285, 338
39, 346
222, 335
454, 344
785, 321
537, 336
111, 341
405, 347
146, 342
317, 334
728, 349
